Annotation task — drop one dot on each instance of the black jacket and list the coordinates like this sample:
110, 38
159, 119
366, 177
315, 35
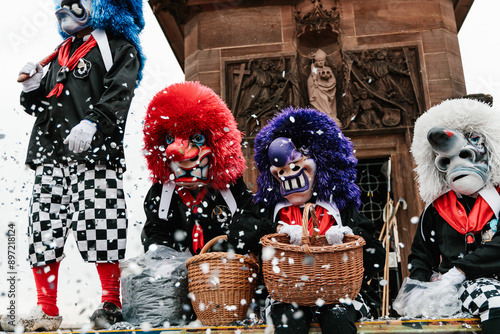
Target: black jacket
94, 94
176, 230
439, 247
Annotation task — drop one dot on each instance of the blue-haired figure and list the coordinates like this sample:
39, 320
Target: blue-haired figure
303, 157
76, 150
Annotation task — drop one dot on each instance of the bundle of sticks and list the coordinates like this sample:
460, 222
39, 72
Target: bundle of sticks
389, 230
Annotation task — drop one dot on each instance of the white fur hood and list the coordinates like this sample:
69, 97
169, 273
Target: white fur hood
465, 116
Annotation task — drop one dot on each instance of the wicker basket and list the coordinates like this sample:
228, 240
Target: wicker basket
221, 287
314, 272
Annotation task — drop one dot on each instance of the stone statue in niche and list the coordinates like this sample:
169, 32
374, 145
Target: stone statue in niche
259, 88
390, 80
322, 85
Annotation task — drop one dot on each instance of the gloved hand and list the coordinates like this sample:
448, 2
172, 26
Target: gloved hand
335, 234
293, 231
453, 277
80, 136
35, 71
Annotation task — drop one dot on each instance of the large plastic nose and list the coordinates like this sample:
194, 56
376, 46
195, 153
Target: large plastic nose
181, 150
445, 141
281, 151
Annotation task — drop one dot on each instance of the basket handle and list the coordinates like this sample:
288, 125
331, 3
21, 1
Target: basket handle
212, 242
307, 239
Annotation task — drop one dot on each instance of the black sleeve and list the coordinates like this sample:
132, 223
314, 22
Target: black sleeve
241, 194
32, 101
119, 82
425, 255
483, 262
373, 251
156, 230
250, 223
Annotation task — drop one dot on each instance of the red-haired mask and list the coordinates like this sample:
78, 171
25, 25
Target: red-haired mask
191, 138
189, 160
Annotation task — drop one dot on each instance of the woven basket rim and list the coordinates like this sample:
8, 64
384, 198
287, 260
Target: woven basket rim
217, 255
358, 242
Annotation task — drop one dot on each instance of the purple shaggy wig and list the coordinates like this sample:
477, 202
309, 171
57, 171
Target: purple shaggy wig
317, 135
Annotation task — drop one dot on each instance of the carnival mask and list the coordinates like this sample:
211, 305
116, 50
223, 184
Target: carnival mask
74, 15
294, 170
189, 160
463, 159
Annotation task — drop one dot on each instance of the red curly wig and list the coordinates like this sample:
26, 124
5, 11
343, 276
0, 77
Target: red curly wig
186, 108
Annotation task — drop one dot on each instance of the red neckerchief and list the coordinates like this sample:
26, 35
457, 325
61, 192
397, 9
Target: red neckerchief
292, 215
68, 63
454, 213
187, 198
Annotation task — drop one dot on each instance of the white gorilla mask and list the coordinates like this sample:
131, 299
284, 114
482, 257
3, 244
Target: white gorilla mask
462, 158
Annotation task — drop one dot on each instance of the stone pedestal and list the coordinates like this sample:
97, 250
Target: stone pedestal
389, 61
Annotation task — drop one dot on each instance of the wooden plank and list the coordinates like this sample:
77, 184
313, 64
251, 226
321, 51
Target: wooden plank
442, 326
393, 326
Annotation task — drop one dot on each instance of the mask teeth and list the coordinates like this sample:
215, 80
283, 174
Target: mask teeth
295, 183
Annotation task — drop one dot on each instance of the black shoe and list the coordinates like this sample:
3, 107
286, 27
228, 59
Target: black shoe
106, 316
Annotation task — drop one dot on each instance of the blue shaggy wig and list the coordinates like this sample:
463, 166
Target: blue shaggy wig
316, 134
122, 18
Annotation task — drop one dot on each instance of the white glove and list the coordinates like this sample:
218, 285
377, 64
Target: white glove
80, 136
335, 234
35, 71
453, 277
293, 231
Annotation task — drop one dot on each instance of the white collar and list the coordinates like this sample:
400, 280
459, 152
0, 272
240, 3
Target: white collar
491, 196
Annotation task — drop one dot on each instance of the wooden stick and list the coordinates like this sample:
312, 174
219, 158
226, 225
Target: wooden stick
44, 62
385, 289
387, 219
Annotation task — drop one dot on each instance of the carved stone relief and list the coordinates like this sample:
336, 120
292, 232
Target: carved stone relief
258, 88
382, 88
315, 17
365, 89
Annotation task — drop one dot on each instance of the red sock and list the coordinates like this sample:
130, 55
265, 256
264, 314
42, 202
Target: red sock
109, 273
46, 287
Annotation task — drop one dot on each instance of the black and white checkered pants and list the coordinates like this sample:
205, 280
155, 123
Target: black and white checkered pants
479, 296
89, 201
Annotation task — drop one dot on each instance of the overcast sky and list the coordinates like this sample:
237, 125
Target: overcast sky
28, 33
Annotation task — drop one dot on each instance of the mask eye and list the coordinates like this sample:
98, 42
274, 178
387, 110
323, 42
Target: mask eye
198, 139
170, 139
478, 142
442, 163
